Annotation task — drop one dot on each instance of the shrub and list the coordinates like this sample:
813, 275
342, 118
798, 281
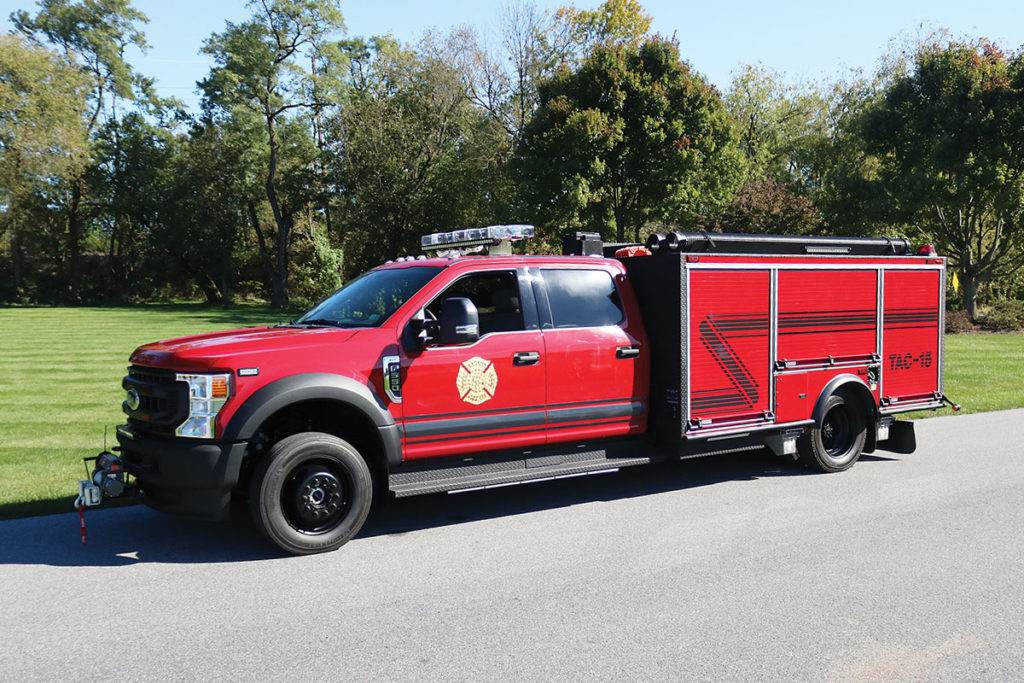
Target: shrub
1004, 316
315, 271
957, 322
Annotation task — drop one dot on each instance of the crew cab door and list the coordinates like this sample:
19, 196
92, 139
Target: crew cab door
596, 363
482, 396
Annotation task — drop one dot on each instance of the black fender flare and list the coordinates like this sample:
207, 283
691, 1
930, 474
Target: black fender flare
843, 381
313, 386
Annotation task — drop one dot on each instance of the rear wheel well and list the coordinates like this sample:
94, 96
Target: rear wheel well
860, 396
319, 415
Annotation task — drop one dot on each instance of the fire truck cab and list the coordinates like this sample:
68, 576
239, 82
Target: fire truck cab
460, 371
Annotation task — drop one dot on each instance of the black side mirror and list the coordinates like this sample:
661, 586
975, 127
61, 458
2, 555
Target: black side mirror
459, 322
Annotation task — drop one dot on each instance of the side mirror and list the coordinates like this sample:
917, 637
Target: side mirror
459, 322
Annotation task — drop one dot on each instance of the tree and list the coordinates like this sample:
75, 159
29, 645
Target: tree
535, 44
96, 32
411, 153
772, 118
577, 32
949, 139
204, 209
42, 133
765, 205
260, 67
632, 137
127, 185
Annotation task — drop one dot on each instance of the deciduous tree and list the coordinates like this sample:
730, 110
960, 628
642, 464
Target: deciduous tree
949, 139
412, 154
43, 139
260, 66
632, 137
93, 34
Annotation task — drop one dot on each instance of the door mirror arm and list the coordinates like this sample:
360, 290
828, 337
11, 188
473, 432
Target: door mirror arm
419, 333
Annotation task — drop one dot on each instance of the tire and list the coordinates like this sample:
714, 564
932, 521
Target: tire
310, 493
837, 441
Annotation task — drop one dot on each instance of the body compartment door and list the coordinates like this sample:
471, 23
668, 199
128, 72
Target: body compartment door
911, 333
729, 343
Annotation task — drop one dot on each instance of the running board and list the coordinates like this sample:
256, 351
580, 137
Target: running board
472, 473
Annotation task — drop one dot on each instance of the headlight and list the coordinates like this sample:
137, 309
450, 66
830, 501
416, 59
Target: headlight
207, 394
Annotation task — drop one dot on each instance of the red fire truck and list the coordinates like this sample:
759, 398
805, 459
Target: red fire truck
463, 371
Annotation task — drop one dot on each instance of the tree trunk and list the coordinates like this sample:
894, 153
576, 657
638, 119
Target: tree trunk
210, 290
261, 241
279, 291
75, 241
970, 286
17, 263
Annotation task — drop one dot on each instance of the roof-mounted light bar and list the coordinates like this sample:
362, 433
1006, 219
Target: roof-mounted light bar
476, 239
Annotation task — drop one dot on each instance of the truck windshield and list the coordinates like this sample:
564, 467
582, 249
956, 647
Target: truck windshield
371, 298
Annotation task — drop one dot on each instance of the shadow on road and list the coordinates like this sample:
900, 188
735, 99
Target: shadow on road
137, 534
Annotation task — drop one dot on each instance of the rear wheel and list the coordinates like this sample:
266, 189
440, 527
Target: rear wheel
837, 441
310, 493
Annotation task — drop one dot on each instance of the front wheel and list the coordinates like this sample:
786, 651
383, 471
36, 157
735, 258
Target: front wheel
310, 493
837, 442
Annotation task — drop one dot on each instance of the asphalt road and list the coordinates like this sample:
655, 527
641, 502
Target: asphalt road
737, 567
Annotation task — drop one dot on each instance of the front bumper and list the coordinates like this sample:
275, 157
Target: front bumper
180, 476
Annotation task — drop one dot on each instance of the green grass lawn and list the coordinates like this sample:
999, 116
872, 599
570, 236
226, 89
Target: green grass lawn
985, 371
60, 384
61, 369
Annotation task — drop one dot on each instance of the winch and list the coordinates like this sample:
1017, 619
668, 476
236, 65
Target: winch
106, 480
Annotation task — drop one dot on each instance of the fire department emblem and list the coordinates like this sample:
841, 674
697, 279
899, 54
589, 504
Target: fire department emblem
476, 381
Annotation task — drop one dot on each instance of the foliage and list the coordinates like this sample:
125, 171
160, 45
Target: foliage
42, 95
957, 322
93, 35
43, 140
259, 68
534, 45
619, 22
203, 212
316, 272
411, 154
309, 148
773, 120
765, 206
951, 156
98, 32
1003, 316
632, 137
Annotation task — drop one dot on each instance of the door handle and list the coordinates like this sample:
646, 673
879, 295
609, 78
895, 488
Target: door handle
525, 358
627, 352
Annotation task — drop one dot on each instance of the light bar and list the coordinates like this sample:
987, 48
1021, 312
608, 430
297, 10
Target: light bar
491, 235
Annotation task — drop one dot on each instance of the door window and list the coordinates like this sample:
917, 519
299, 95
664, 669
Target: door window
495, 295
582, 298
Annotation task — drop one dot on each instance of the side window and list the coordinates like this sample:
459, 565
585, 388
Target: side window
495, 295
582, 298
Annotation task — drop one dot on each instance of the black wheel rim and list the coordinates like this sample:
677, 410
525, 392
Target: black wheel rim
316, 496
837, 432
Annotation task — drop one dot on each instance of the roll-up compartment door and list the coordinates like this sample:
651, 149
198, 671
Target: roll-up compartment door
911, 332
729, 345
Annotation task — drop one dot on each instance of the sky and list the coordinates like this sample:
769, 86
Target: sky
804, 40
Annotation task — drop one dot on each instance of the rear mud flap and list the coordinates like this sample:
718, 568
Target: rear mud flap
901, 438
